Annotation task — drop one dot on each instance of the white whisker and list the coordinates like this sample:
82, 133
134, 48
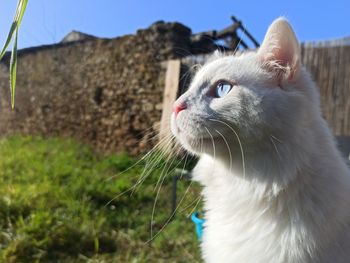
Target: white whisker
275, 146
157, 195
195, 206
213, 142
172, 215
228, 148
239, 142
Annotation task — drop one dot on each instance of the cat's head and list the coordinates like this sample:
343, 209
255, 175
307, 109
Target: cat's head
252, 96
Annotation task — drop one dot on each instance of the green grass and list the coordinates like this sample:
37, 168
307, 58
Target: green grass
53, 207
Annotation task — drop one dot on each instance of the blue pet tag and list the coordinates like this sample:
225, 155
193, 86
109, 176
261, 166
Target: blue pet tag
199, 225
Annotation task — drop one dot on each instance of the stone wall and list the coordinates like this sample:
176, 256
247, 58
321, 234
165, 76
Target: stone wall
106, 92
109, 92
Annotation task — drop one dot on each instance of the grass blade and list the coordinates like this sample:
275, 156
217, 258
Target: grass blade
21, 6
13, 33
8, 40
13, 69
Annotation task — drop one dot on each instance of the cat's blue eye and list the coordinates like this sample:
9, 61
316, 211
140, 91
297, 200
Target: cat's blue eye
222, 89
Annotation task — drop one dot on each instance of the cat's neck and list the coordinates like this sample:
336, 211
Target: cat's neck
280, 165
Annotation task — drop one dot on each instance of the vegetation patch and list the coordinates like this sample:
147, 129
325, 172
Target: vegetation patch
62, 202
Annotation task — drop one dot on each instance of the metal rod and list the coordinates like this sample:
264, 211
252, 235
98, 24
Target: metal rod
173, 195
245, 31
242, 43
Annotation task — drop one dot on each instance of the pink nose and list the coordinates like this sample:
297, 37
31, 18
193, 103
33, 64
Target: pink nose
179, 107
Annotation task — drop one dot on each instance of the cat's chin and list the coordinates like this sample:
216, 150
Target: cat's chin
190, 144
195, 145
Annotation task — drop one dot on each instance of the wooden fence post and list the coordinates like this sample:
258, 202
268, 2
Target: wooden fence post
172, 79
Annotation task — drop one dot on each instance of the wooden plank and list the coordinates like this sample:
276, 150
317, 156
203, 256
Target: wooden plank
330, 67
172, 79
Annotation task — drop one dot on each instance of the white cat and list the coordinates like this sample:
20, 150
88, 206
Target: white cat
276, 189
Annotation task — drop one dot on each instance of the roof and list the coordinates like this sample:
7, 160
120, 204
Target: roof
74, 36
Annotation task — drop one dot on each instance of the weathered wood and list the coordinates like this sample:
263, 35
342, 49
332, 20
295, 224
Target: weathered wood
172, 79
330, 68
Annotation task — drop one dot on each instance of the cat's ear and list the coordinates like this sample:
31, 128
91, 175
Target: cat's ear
280, 50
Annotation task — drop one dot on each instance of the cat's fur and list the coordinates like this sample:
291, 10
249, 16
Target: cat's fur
286, 196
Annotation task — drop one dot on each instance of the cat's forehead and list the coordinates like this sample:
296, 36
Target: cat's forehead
231, 68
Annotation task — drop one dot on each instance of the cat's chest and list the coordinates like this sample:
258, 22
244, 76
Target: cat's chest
240, 229
239, 240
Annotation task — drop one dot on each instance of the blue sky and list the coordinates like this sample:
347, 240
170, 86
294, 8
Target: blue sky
48, 21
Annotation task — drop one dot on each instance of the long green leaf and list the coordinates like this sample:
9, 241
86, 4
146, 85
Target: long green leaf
13, 33
8, 40
13, 69
21, 6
